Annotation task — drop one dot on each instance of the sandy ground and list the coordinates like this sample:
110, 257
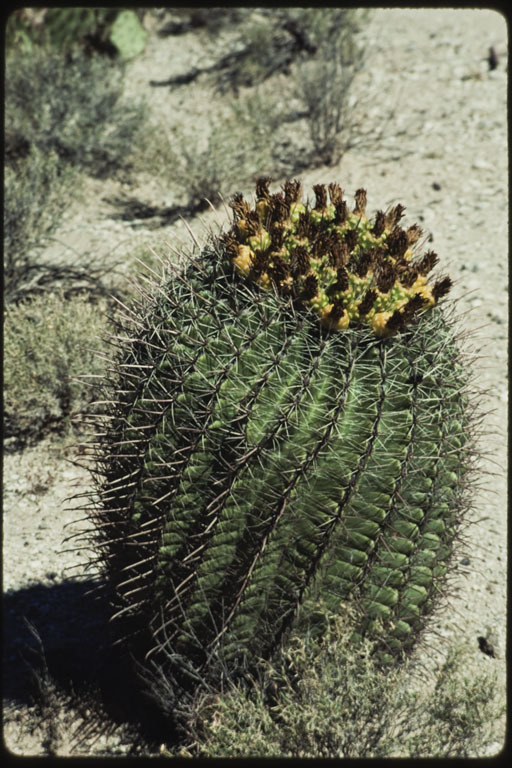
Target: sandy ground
443, 154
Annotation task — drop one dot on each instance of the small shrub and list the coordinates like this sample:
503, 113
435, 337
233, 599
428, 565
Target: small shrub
324, 82
37, 191
254, 133
186, 19
63, 115
329, 699
108, 30
44, 350
203, 166
60, 28
313, 57
72, 105
267, 45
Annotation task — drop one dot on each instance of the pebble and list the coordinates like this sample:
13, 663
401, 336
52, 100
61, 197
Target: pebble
482, 165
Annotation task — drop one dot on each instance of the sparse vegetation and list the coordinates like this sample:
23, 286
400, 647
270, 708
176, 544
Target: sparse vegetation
93, 29
329, 700
313, 55
321, 52
45, 349
186, 19
37, 192
72, 105
204, 166
268, 44
323, 83
64, 117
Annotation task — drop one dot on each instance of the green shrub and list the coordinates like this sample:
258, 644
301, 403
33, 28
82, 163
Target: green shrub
110, 30
37, 191
319, 53
204, 165
327, 699
44, 350
63, 115
59, 28
323, 83
71, 105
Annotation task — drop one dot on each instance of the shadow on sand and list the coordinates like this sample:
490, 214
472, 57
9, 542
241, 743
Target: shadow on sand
61, 633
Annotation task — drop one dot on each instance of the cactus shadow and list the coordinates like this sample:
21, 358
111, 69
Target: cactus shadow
60, 632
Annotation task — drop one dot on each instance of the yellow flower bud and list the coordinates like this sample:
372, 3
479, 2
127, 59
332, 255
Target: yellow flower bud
421, 286
243, 260
262, 209
295, 211
378, 322
261, 241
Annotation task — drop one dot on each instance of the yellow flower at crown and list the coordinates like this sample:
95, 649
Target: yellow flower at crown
350, 270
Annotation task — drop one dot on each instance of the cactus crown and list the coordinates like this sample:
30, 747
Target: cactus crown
351, 271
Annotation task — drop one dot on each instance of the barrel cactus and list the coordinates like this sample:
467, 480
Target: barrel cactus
289, 423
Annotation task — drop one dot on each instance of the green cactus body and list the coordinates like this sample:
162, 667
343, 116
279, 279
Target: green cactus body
264, 453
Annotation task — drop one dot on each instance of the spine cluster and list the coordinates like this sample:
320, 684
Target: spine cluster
351, 271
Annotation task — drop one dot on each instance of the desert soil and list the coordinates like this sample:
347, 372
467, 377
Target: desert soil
443, 154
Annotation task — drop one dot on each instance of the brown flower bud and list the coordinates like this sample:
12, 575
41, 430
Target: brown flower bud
310, 288
397, 242
360, 206
385, 276
367, 303
335, 193
441, 288
299, 261
321, 196
380, 224
351, 239
262, 188
427, 262
413, 233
